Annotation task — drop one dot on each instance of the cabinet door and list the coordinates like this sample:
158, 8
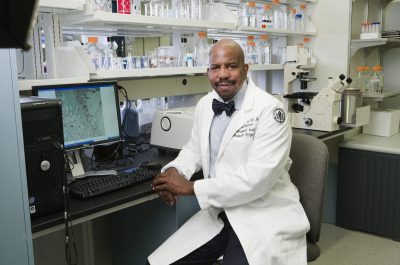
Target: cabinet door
15, 230
368, 194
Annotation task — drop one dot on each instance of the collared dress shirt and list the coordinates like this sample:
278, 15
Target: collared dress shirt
219, 125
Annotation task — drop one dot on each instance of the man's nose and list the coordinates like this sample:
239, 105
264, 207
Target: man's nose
223, 73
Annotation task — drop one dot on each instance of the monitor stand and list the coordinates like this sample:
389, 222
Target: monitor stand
77, 167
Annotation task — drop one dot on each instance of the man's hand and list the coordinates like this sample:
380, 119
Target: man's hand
168, 197
171, 181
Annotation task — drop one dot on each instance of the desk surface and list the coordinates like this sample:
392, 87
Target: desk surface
389, 145
321, 134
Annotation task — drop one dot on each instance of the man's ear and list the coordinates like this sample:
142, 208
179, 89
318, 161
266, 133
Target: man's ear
246, 67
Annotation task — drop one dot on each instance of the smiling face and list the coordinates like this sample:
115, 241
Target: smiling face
227, 70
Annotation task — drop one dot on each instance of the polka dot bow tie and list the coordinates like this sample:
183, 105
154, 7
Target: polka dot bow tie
218, 107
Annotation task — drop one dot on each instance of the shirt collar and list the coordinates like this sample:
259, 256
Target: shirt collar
238, 98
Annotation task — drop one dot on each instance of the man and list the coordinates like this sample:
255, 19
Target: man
250, 211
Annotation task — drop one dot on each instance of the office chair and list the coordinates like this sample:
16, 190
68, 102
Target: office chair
308, 173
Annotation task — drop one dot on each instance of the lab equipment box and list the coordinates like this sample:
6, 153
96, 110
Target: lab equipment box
383, 123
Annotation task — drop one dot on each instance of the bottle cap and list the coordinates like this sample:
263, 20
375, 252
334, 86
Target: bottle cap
267, 7
252, 4
377, 68
366, 68
306, 40
264, 37
360, 68
201, 34
275, 2
249, 38
302, 6
252, 43
92, 39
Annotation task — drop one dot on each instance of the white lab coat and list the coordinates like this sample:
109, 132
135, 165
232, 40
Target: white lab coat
251, 185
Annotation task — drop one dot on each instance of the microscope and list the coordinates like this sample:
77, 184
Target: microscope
312, 110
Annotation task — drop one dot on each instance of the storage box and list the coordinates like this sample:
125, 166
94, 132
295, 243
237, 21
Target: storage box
383, 123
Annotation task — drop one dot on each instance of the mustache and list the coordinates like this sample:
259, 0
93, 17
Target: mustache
225, 82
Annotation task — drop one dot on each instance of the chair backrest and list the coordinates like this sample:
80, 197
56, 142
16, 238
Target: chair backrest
308, 172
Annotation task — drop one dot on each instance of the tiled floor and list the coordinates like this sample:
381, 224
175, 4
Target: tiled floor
344, 247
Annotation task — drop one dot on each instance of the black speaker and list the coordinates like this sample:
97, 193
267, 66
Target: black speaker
44, 154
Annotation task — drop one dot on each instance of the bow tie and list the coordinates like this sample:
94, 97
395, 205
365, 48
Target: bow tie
218, 107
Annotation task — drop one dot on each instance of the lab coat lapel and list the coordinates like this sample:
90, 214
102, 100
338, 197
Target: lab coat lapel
205, 135
239, 117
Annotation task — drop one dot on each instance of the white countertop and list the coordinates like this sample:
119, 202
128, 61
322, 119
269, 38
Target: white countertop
373, 143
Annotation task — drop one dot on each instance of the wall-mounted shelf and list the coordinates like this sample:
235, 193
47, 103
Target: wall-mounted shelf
27, 84
167, 71
360, 44
381, 97
60, 5
275, 32
141, 25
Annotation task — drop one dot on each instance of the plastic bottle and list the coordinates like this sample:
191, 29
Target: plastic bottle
183, 59
93, 52
201, 50
246, 44
266, 18
361, 78
196, 7
301, 20
291, 19
249, 17
279, 17
129, 119
135, 7
128, 63
251, 53
377, 79
369, 89
264, 50
307, 46
240, 11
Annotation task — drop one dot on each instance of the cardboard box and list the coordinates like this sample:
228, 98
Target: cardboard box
383, 123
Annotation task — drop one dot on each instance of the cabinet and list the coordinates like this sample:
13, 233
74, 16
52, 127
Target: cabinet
369, 186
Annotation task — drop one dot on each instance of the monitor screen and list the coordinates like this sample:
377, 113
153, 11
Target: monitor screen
90, 112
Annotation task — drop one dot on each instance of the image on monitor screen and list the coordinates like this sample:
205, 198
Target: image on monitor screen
90, 112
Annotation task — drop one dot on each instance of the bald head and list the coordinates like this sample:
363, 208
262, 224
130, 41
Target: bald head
229, 46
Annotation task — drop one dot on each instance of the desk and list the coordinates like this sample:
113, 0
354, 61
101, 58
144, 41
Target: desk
84, 210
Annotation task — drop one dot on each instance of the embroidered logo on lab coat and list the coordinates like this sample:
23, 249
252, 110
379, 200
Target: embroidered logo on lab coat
279, 115
248, 129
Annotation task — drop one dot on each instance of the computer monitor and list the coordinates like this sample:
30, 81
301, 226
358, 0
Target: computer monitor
90, 113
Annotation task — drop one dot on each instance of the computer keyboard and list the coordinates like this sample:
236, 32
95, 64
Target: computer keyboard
92, 186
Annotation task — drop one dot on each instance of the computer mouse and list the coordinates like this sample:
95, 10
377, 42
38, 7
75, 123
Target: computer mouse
151, 165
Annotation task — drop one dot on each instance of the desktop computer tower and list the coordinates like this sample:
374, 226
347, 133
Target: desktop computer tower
44, 154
